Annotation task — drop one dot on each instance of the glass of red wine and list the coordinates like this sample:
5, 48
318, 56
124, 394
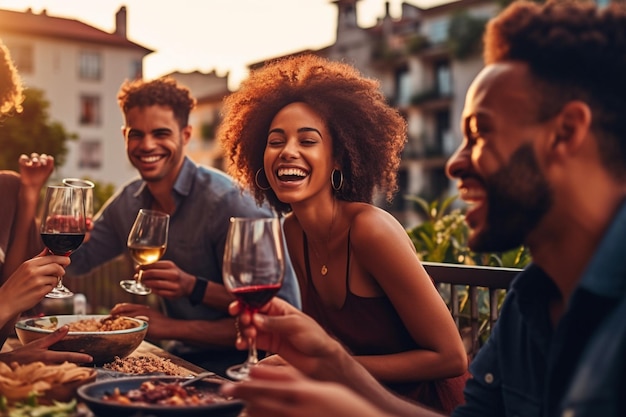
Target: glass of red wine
253, 270
62, 226
146, 243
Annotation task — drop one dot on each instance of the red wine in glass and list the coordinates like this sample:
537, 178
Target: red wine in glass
62, 226
62, 244
253, 270
256, 296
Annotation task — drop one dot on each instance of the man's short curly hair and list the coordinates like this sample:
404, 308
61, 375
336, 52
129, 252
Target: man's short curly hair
11, 91
164, 91
368, 135
575, 51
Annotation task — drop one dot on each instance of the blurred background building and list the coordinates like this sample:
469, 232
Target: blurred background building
424, 59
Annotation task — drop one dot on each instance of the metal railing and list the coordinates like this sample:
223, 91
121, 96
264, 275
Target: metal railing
462, 287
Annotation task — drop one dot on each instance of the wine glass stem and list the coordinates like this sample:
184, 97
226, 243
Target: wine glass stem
139, 274
253, 357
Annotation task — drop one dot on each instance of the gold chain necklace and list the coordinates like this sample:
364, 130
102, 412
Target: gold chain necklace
324, 269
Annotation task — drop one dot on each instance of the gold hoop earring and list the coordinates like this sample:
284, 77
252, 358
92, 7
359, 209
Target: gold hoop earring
333, 183
256, 181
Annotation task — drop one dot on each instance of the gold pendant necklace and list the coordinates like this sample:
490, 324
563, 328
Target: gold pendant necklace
324, 269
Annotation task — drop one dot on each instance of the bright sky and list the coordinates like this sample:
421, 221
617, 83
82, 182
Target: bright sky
221, 35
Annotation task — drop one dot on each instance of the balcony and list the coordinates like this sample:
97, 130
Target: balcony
473, 295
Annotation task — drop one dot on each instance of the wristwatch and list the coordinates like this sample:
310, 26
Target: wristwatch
197, 293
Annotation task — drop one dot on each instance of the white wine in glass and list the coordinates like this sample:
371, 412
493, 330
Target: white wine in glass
147, 242
253, 270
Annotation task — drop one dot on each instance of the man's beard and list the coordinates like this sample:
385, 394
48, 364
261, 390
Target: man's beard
518, 196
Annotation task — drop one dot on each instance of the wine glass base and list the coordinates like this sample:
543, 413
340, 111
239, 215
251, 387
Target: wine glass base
133, 287
59, 292
239, 372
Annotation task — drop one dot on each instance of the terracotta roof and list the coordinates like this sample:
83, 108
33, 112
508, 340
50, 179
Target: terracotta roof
29, 23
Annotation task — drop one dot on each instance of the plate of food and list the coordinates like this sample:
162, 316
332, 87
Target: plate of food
159, 396
37, 383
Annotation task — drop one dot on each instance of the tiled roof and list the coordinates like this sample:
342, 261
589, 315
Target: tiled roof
29, 23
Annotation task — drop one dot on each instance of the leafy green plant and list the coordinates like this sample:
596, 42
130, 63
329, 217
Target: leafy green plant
442, 237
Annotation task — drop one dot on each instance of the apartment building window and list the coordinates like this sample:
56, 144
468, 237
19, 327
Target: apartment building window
438, 31
23, 57
90, 65
89, 110
443, 78
90, 154
442, 131
403, 86
136, 70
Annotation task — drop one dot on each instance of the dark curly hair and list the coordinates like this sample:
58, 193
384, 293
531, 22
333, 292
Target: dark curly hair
11, 91
164, 91
368, 135
575, 51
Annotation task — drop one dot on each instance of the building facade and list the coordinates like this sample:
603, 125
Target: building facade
209, 89
80, 69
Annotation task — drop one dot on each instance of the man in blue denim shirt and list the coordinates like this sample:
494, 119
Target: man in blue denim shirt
200, 202
543, 163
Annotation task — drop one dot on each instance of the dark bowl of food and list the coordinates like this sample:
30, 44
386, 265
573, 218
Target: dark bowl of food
101, 336
158, 396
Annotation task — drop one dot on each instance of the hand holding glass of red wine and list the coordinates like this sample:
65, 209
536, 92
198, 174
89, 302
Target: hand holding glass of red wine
62, 226
253, 270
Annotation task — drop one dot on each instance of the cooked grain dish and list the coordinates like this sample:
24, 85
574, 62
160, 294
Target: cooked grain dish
105, 324
144, 365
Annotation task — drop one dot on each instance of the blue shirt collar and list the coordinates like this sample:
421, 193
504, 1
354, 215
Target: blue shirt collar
182, 185
606, 273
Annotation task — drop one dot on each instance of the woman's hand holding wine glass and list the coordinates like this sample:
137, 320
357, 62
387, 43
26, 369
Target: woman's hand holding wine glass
62, 226
253, 270
147, 242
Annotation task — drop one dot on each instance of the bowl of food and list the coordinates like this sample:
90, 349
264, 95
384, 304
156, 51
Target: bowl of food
101, 336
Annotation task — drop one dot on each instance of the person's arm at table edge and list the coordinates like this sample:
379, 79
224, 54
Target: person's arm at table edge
341, 367
220, 332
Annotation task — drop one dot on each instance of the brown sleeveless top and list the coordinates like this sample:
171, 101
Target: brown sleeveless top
372, 326
365, 325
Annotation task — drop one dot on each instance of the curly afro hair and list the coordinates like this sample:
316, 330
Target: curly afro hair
11, 91
575, 51
164, 91
368, 135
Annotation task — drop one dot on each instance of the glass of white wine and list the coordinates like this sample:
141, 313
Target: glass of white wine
147, 242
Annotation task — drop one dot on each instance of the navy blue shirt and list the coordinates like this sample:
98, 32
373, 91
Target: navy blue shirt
527, 366
205, 200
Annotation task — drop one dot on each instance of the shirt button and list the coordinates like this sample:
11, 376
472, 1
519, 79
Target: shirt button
489, 378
